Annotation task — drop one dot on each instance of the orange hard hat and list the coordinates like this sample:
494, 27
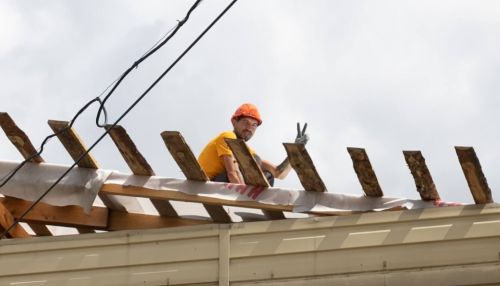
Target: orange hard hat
248, 110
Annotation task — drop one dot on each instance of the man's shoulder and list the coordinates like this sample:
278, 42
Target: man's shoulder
227, 134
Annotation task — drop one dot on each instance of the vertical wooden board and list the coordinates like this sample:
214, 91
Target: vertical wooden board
304, 167
73, 144
474, 175
18, 138
252, 174
250, 170
138, 164
183, 156
23, 144
422, 176
365, 173
190, 167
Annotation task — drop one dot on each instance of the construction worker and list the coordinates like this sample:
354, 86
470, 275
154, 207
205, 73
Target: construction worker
218, 161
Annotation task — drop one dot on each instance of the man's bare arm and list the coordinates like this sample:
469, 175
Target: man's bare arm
232, 170
280, 171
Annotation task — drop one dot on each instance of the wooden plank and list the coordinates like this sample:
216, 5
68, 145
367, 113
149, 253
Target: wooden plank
304, 167
76, 148
364, 171
124, 221
73, 143
69, 216
23, 144
183, 156
250, 170
190, 167
6, 220
474, 174
423, 179
18, 138
138, 164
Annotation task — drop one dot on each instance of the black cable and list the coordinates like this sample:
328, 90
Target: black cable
141, 59
108, 128
102, 108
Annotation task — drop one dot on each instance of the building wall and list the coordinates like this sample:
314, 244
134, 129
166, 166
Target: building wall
442, 246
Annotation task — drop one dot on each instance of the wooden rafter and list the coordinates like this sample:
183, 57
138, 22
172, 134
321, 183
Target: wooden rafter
138, 164
474, 175
76, 148
6, 220
422, 176
250, 170
23, 144
365, 173
304, 167
190, 167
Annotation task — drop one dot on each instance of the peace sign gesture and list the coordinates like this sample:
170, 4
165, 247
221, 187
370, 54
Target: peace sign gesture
302, 137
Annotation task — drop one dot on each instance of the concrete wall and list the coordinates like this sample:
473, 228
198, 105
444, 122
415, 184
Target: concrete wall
444, 246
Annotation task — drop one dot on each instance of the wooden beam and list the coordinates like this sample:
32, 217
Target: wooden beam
423, 179
304, 167
250, 170
23, 144
117, 189
474, 174
100, 218
123, 221
18, 138
76, 148
365, 173
6, 220
138, 164
69, 216
190, 167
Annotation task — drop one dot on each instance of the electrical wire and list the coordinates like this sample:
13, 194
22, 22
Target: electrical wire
108, 128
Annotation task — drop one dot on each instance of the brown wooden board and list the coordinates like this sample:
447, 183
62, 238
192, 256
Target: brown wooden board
123, 221
190, 167
23, 144
76, 148
6, 220
250, 170
365, 173
423, 179
474, 175
18, 138
304, 167
138, 164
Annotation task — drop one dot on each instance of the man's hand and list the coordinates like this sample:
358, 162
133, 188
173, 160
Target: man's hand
302, 137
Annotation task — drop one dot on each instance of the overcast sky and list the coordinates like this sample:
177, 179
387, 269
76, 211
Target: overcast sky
383, 75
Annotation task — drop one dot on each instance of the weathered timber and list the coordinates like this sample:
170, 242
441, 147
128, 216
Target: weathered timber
18, 138
138, 164
423, 179
76, 148
23, 144
364, 171
6, 220
304, 167
250, 170
474, 175
190, 167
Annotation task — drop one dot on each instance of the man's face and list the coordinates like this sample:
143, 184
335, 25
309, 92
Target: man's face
245, 127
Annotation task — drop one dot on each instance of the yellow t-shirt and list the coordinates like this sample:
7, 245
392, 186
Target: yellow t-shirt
210, 157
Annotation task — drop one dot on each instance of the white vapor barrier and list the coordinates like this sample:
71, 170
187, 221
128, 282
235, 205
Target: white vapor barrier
81, 185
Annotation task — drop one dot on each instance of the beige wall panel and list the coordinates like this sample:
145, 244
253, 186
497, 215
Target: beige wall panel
432, 254
479, 274
155, 274
110, 256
